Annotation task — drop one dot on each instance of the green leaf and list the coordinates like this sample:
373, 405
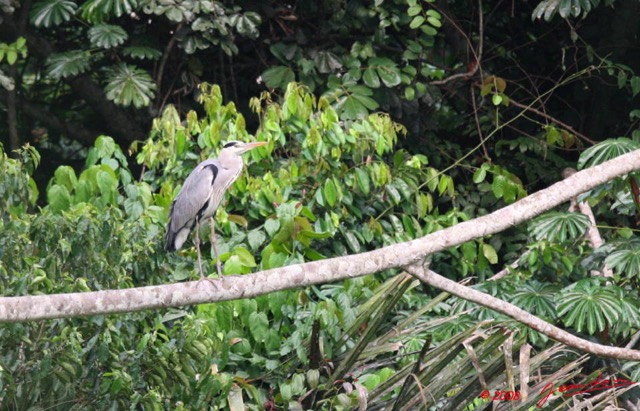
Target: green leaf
479, 175
435, 22
314, 234
58, 198
498, 186
68, 64
329, 192
352, 241
247, 24
12, 56
635, 85
107, 36
362, 179
559, 226
490, 253
272, 226
245, 257
142, 52
259, 325
387, 70
49, 13
327, 62
256, 238
537, 298
622, 78
278, 77
95, 11
409, 93
606, 150
414, 10
416, 22
65, 176
625, 260
129, 85
393, 193
591, 308
108, 185
370, 78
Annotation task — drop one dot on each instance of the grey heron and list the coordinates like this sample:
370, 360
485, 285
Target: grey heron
200, 196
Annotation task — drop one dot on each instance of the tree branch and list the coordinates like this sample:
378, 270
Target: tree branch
518, 314
38, 307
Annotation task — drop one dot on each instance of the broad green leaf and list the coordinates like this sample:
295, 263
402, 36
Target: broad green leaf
625, 260
129, 85
65, 176
259, 325
352, 241
559, 226
435, 22
107, 36
256, 238
537, 298
414, 10
315, 235
47, 13
416, 22
590, 308
245, 257
622, 78
606, 150
490, 253
58, 198
329, 192
327, 62
635, 85
479, 175
96, 11
278, 77
272, 226
370, 78
362, 179
68, 64
247, 24
387, 70
498, 186
108, 185
394, 194
142, 52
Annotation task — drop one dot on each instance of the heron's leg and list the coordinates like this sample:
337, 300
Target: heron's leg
214, 246
197, 241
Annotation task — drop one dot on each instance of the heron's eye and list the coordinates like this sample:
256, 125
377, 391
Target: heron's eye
230, 144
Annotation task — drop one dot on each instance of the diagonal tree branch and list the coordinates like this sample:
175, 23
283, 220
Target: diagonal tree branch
38, 307
518, 314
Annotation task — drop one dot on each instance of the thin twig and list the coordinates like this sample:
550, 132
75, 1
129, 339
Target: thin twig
553, 119
165, 57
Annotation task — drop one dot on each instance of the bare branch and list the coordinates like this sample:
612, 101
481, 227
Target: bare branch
38, 307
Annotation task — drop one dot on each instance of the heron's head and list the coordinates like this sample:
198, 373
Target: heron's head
238, 147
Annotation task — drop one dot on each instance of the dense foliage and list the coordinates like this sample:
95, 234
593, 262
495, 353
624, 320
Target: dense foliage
485, 104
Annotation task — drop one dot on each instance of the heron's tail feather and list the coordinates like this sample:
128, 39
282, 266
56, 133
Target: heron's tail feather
175, 238
170, 240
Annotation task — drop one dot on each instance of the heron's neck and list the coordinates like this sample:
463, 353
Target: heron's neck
230, 160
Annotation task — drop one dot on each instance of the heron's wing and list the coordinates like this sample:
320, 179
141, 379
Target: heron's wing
191, 200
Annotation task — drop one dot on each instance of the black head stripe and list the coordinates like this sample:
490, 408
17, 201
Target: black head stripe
230, 144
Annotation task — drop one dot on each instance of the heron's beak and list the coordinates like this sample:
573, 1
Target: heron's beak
249, 146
